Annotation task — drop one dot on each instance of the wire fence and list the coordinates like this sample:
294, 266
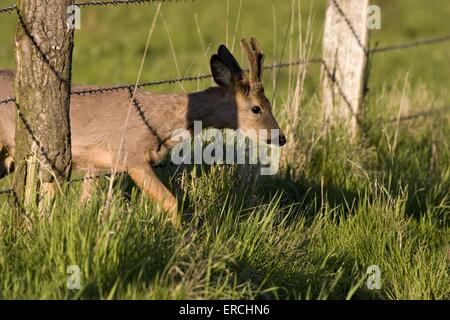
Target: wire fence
118, 2
8, 9
13, 7
102, 90
7, 191
413, 44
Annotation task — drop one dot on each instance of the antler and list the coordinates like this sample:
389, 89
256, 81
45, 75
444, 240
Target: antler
256, 58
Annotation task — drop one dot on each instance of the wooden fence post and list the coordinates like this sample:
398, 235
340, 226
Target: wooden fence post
345, 41
42, 88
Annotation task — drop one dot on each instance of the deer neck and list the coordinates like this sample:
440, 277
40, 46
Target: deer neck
213, 107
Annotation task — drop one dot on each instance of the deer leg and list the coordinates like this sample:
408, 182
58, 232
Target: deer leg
146, 179
6, 162
2, 162
89, 183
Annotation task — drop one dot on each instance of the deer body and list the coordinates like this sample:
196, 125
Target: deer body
98, 126
109, 132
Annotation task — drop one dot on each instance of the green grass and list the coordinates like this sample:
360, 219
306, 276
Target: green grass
111, 41
310, 232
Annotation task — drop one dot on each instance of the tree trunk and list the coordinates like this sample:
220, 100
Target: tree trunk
346, 37
44, 46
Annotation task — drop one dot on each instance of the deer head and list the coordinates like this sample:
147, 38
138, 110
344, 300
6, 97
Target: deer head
253, 109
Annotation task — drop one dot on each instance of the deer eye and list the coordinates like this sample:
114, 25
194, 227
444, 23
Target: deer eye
256, 110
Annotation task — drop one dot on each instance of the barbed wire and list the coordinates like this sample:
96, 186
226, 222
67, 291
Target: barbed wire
8, 9
179, 80
8, 100
7, 191
13, 7
100, 90
413, 44
421, 114
140, 85
118, 2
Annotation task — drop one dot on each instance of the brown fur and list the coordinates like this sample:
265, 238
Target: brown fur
98, 120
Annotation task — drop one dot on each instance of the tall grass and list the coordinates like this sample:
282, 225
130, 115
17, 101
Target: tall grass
310, 232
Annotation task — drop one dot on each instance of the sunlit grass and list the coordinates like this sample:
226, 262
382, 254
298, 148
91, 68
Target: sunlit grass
310, 232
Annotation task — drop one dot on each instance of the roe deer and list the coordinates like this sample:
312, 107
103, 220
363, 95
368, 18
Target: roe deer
97, 122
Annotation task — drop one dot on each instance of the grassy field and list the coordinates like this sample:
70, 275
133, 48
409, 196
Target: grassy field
310, 232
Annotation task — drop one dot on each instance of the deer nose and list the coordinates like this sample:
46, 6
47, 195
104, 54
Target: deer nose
282, 140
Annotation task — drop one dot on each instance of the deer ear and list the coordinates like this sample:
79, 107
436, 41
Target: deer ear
229, 59
221, 72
